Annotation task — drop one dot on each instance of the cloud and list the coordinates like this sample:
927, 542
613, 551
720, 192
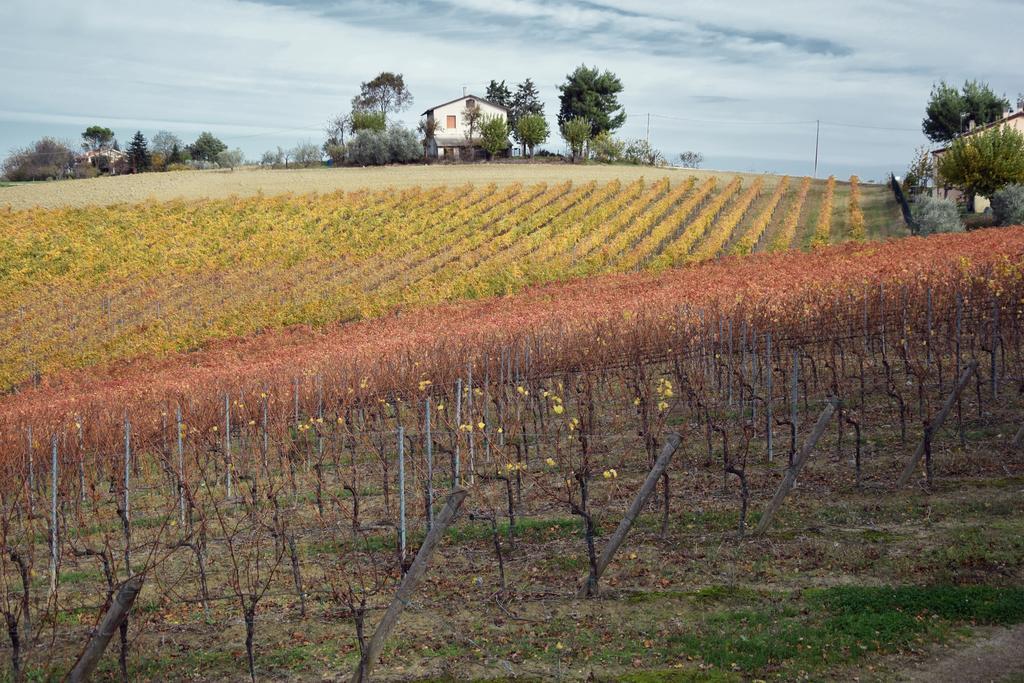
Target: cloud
262, 74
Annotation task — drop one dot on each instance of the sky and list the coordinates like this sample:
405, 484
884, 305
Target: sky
742, 82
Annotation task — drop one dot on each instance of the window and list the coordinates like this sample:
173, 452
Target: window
450, 121
470, 103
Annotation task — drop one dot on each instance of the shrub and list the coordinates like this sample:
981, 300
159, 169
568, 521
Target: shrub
1008, 205
691, 159
335, 152
403, 146
368, 148
230, 158
607, 149
641, 152
373, 148
937, 215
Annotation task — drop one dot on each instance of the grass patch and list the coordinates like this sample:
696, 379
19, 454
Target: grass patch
974, 553
978, 604
839, 626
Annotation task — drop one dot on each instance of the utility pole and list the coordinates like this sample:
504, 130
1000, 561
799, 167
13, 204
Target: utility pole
648, 128
817, 134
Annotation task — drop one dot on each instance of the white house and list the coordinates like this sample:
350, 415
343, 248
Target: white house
449, 140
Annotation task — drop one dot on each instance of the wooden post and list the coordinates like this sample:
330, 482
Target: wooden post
936, 424
798, 463
110, 622
408, 586
589, 587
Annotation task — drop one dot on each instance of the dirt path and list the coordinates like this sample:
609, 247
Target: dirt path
995, 657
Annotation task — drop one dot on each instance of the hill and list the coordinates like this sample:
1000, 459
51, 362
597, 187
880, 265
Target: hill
97, 283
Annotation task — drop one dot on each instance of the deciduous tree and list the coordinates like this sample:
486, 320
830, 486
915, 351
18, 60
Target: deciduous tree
982, 163
164, 143
472, 115
494, 135
306, 154
45, 158
525, 101
531, 130
576, 133
920, 170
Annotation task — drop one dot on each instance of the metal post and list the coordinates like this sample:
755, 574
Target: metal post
227, 442
817, 136
181, 467
81, 460
401, 491
429, 448
53, 517
458, 432
469, 409
31, 465
994, 369
795, 390
768, 396
127, 495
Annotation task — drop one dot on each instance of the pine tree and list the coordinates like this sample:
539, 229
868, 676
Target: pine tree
525, 101
498, 93
138, 153
175, 157
593, 95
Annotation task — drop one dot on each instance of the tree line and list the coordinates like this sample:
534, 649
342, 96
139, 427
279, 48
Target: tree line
100, 152
589, 115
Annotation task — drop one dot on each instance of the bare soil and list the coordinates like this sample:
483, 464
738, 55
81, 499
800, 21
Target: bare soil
995, 655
